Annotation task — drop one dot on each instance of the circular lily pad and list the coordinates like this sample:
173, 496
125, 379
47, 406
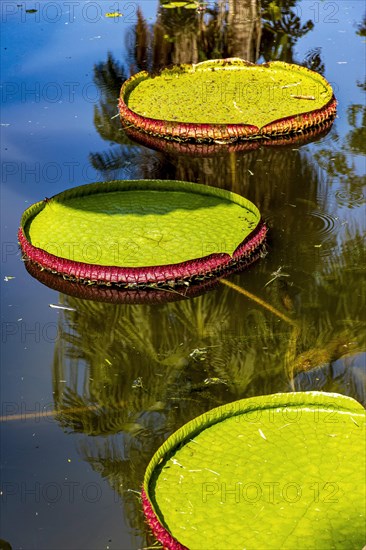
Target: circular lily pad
142, 233
226, 100
277, 471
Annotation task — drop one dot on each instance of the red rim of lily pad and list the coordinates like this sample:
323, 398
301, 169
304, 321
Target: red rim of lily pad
119, 295
169, 276
220, 132
210, 149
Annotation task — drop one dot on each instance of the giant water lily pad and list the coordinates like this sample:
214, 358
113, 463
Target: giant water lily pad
277, 471
147, 233
225, 100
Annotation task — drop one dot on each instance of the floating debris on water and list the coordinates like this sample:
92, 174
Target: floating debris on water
56, 306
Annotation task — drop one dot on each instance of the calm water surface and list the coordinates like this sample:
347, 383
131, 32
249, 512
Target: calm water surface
90, 392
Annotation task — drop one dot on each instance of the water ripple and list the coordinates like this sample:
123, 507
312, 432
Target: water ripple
324, 227
324, 224
350, 199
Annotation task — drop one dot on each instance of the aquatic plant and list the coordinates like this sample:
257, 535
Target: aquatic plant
218, 470
142, 233
226, 100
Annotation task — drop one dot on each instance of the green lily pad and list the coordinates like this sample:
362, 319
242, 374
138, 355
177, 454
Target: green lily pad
175, 5
140, 225
278, 471
114, 14
227, 99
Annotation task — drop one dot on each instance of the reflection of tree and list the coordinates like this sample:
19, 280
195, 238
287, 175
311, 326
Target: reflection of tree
176, 34
313, 61
361, 28
233, 28
356, 138
135, 373
339, 330
140, 44
338, 156
225, 29
244, 29
281, 29
152, 357
108, 77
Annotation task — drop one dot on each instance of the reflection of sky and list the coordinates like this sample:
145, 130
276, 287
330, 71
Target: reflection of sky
49, 98
342, 51
341, 48
57, 39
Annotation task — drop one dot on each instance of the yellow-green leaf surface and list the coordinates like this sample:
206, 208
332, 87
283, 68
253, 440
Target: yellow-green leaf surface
175, 5
235, 93
278, 472
144, 223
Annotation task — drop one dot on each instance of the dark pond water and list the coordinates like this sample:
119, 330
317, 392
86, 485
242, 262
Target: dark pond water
89, 393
